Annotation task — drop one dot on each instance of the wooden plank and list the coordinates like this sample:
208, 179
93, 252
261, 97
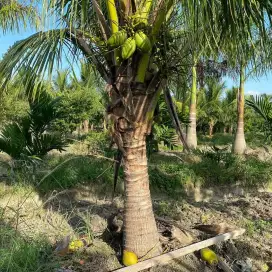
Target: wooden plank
165, 258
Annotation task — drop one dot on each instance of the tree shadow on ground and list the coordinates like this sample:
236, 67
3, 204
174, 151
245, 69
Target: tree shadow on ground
88, 216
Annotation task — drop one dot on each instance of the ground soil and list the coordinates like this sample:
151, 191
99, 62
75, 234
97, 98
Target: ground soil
67, 213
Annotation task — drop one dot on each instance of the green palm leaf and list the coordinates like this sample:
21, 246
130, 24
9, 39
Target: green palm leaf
15, 15
262, 106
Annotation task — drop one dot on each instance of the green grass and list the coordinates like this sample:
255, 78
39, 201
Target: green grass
253, 139
258, 226
76, 170
171, 176
217, 139
168, 174
20, 255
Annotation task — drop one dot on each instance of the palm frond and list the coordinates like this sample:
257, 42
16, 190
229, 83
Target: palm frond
45, 50
13, 141
262, 106
235, 25
40, 52
15, 15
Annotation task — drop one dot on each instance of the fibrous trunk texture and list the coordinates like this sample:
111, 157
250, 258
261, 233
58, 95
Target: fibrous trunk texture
191, 137
140, 231
130, 119
239, 145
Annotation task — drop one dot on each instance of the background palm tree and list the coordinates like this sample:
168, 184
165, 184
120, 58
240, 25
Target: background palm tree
209, 103
61, 81
229, 110
85, 28
262, 105
191, 136
239, 145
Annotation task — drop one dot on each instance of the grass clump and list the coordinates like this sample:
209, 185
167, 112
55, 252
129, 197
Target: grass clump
257, 227
76, 170
20, 255
231, 169
172, 176
216, 139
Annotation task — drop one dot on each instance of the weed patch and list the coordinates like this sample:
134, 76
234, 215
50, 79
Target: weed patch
21, 255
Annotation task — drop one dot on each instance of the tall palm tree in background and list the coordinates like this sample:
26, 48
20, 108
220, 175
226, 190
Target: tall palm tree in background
229, 110
209, 103
92, 28
239, 145
61, 80
191, 137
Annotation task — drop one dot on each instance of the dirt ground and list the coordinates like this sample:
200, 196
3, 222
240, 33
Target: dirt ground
67, 213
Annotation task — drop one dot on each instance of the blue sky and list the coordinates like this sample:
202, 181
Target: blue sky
252, 86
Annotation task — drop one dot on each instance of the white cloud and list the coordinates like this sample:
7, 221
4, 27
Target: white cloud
252, 92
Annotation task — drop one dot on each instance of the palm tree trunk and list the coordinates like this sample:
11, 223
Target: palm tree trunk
239, 145
105, 124
191, 131
140, 231
86, 126
132, 123
211, 125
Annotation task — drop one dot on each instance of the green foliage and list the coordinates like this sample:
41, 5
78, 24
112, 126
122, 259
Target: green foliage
21, 255
162, 129
226, 169
98, 142
256, 226
77, 106
216, 139
80, 99
208, 168
28, 137
171, 178
13, 107
229, 108
71, 171
209, 105
263, 107
165, 134
16, 14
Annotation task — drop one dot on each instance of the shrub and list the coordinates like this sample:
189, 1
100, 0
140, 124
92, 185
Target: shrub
98, 142
28, 138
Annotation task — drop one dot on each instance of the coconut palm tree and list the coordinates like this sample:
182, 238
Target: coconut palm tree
239, 145
228, 109
191, 137
61, 80
131, 44
209, 103
16, 14
262, 105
